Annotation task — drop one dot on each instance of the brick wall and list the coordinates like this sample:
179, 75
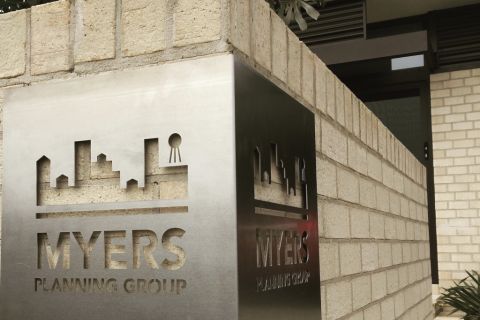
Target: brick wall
373, 225
456, 146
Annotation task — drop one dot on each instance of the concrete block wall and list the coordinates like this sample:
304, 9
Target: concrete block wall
455, 99
68, 38
373, 224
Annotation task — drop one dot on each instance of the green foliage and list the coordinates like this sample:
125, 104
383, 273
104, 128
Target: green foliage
464, 296
291, 10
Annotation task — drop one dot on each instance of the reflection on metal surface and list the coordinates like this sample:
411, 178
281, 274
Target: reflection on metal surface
99, 229
279, 213
281, 182
276, 203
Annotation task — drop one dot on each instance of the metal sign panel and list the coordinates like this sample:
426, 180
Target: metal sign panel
277, 205
119, 196
182, 191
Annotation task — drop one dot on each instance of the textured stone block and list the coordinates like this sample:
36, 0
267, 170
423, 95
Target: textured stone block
50, 37
201, 21
347, 186
308, 72
399, 300
379, 285
368, 124
320, 85
395, 203
362, 291
397, 255
350, 258
13, 26
375, 122
336, 221
392, 281
240, 24
279, 48
460, 74
330, 87
384, 255
339, 300
330, 262
357, 156
294, 63
334, 142
262, 51
377, 226
374, 166
383, 200
348, 109
390, 228
326, 178
439, 76
356, 316
355, 116
95, 30
367, 193
388, 309
363, 123
359, 223
382, 139
373, 313
369, 256
144, 25
339, 101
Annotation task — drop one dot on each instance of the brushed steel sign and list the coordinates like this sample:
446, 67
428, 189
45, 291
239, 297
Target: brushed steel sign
278, 266
143, 194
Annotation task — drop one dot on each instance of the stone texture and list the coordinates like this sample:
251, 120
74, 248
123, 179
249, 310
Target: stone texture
330, 87
308, 73
262, 50
144, 24
330, 264
347, 186
373, 313
362, 291
334, 143
336, 219
294, 63
367, 193
326, 178
339, 102
279, 46
240, 24
357, 156
350, 258
348, 110
50, 37
339, 300
320, 85
369, 256
95, 30
456, 190
360, 223
379, 285
200, 21
13, 43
